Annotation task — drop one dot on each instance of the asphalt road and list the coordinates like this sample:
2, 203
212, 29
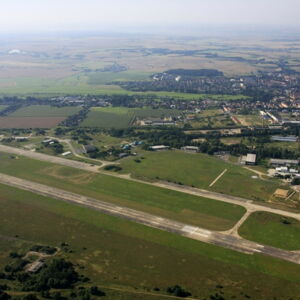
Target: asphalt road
216, 238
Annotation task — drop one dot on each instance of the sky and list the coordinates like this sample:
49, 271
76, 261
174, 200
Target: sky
39, 15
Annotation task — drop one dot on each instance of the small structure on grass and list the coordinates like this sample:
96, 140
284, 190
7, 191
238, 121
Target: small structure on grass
90, 148
190, 149
159, 148
249, 159
280, 193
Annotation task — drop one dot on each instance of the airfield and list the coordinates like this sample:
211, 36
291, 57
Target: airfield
230, 239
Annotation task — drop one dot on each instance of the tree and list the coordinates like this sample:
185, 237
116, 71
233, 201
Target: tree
4, 296
178, 291
96, 292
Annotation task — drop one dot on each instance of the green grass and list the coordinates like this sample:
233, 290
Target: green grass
194, 210
78, 85
156, 113
211, 112
120, 254
2, 107
283, 145
199, 170
231, 140
121, 117
250, 120
107, 77
213, 122
44, 111
269, 229
109, 118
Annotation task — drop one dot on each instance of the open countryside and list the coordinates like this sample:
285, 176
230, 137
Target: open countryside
149, 150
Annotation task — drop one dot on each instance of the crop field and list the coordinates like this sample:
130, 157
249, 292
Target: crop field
194, 210
199, 170
37, 116
45, 111
121, 117
29, 122
153, 258
271, 229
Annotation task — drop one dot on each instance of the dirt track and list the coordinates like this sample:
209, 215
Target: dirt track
216, 238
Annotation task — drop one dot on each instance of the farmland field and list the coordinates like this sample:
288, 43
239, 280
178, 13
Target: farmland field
45, 111
199, 211
271, 229
78, 68
106, 246
37, 116
199, 170
30, 122
121, 117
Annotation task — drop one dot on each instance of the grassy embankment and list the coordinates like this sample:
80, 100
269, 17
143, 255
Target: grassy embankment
199, 170
271, 229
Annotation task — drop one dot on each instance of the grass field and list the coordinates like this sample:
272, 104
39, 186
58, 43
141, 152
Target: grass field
107, 77
123, 255
284, 145
250, 120
2, 107
78, 85
156, 113
231, 140
271, 229
121, 117
211, 122
109, 117
199, 170
45, 111
199, 211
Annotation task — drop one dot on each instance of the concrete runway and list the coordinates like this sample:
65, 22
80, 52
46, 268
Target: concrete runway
216, 238
249, 205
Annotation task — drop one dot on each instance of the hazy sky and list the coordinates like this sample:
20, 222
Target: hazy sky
97, 14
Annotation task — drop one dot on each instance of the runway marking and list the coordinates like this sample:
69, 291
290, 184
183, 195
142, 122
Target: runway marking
189, 231
218, 178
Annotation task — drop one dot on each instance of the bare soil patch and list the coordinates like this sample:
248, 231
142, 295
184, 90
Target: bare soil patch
77, 178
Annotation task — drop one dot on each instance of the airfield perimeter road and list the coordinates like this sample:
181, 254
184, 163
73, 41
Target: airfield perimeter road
216, 238
247, 204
